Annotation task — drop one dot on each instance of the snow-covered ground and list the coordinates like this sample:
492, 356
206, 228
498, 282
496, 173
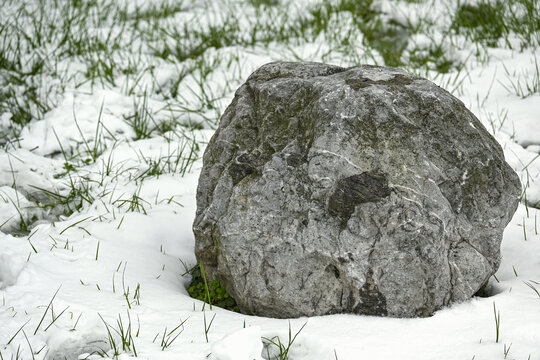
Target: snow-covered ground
106, 110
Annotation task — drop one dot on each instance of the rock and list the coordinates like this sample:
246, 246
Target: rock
364, 190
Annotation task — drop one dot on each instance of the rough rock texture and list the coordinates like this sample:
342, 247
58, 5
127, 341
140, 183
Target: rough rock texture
363, 190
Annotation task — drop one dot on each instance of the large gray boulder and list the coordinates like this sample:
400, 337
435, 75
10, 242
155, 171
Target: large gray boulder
363, 190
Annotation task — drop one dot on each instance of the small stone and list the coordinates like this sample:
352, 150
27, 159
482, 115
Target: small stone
361, 190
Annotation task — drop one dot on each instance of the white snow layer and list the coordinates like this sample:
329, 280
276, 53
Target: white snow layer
106, 281
245, 344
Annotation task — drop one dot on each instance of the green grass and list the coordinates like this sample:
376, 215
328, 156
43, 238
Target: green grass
489, 21
258, 3
120, 338
434, 58
523, 20
497, 315
212, 293
169, 337
483, 22
276, 349
189, 43
527, 84
59, 47
154, 11
31, 83
388, 38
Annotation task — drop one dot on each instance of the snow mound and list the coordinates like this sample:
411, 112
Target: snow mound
15, 210
245, 344
10, 268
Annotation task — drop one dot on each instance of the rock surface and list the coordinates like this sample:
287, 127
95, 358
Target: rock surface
363, 190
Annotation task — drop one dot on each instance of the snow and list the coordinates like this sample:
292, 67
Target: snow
245, 344
119, 260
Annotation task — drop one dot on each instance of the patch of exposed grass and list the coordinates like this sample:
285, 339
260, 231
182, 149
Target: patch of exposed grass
276, 349
389, 38
199, 41
482, 22
151, 12
527, 83
212, 293
434, 57
258, 3
488, 21
48, 47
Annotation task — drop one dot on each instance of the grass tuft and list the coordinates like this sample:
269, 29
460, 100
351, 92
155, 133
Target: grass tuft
279, 349
120, 338
482, 22
212, 293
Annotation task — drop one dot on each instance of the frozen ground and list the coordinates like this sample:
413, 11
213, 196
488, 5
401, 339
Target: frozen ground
106, 107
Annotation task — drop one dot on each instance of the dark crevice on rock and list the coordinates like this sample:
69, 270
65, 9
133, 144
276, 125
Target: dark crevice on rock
372, 301
334, 270
362, 82
355, 190
241, 167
